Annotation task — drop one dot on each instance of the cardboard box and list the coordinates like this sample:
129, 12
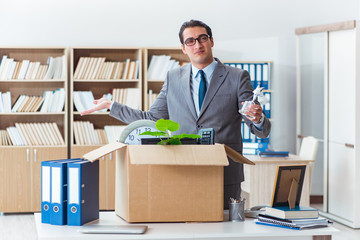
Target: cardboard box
169, 183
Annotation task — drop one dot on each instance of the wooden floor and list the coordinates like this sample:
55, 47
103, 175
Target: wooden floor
22, 226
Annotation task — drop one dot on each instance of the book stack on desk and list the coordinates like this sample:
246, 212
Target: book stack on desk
298, 218
298, 212
270, 153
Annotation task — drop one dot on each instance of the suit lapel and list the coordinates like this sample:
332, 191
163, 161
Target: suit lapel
185, 88
215, 83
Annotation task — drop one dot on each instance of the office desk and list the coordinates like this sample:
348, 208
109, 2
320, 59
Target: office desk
260, 178
178, 231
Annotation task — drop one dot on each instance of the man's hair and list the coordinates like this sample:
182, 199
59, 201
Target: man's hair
193, 23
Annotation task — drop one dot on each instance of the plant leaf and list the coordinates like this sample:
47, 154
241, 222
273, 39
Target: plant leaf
163, 142
173, 126
156, 134
174, 141
164, 125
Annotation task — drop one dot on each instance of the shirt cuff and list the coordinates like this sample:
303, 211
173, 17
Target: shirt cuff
112, 102
259, 125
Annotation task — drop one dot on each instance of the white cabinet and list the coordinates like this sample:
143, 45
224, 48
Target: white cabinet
341, 183
341, 113
342, 166
342, 106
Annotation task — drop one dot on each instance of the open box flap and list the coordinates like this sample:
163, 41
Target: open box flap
102, 151
237, 157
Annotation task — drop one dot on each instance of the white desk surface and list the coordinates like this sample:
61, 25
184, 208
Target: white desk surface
215, 230
291, 158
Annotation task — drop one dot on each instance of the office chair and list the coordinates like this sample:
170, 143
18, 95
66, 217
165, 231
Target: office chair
308, 150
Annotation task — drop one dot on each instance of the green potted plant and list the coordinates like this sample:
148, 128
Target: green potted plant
165, 128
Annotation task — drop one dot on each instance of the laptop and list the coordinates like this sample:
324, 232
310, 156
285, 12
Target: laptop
113, 229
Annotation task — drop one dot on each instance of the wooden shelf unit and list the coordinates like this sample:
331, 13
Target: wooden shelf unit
20, 166
34, 87
99, 87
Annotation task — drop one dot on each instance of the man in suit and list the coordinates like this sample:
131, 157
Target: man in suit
203, 94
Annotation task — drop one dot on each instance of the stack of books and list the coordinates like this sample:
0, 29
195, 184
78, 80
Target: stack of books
11, 69
32, 134
297, 218
270, 153
94, 68
160, 65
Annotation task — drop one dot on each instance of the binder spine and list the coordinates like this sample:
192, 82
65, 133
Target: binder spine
258, 75
74, 195
58, 214
83, 192
45, 192
265, 76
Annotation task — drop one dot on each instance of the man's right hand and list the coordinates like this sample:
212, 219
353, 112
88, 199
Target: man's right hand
100, 104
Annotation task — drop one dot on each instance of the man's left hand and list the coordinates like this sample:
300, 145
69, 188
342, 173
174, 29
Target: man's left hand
253, 113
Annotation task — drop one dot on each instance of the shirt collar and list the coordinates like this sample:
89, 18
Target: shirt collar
208, 70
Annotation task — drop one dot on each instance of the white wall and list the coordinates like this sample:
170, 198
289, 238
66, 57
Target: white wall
243, 30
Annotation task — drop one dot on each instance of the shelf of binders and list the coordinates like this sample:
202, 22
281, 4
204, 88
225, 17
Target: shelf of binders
33, 121
260, 74
157, 62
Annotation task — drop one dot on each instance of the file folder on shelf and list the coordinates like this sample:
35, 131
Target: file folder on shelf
252, 74
237, 65
267, 106
83, 192
258, 73
265, 76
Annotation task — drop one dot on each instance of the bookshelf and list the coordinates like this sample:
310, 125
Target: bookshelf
100, 79
154, 84
20, 166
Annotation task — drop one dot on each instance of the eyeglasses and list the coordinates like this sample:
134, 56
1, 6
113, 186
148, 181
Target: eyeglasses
192, 41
